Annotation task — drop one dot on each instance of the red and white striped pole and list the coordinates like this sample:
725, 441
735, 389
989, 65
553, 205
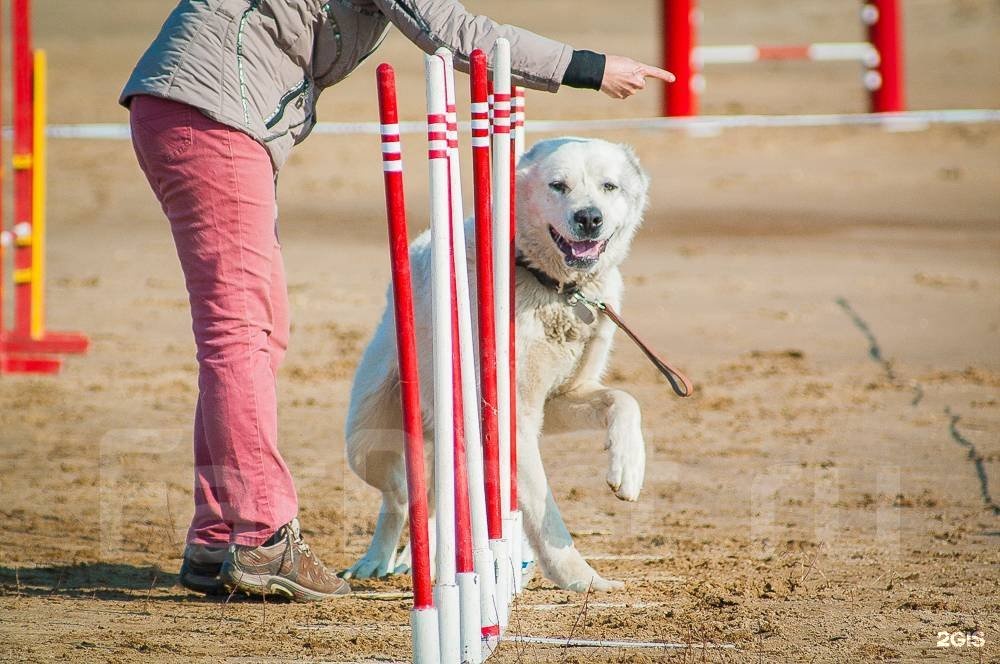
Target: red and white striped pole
885, 81
516, 149
423, 617
517, 123
446, 595
502, 290
470, 501
481, 169
679, 37
482, 482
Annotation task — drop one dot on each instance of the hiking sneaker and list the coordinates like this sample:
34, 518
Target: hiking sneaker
201, 567
284, 565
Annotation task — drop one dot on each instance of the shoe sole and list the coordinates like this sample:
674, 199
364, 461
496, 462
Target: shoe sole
206, 585
256, 585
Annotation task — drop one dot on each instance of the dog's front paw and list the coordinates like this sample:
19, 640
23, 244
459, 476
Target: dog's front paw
372, 565
627, 467
626, 448
596, 583
571, 571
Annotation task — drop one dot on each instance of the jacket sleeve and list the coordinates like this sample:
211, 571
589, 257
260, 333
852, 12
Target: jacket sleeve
536, 62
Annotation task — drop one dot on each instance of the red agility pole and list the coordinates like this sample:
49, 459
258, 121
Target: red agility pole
463, 523
488, 324
885, 81
484, 280
678, 35
22, 160
487, 524
424, 616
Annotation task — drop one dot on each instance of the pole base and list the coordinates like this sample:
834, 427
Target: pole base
50, 342
504, 579
448, 605
16, 363
471, 630
489, 645
516, 554
426, 648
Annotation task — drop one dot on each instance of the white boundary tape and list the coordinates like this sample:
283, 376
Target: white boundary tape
590, 605
624, 556
593, 643
909, 120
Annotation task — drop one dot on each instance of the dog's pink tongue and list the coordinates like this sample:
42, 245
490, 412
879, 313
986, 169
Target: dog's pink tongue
586, 249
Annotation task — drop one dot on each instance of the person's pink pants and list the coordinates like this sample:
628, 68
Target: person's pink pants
216, 186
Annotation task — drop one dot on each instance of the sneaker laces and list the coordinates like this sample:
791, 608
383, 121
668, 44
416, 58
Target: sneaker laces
297, 537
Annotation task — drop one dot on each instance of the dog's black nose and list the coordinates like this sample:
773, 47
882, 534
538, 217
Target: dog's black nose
588, 222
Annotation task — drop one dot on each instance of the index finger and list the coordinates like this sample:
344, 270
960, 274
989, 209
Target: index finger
656, 72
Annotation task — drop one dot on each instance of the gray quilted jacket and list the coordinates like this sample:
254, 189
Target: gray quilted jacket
259, 65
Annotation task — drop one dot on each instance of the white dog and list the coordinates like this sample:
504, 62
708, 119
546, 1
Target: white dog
579, 204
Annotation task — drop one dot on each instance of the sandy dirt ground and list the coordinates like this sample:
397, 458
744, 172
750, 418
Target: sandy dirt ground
829, 495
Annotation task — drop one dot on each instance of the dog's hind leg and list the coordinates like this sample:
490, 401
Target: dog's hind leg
558, 558
376, 455
375, 451
404, 561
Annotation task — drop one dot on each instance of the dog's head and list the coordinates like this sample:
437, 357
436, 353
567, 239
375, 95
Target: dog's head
579, 203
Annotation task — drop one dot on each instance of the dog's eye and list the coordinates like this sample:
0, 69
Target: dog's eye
559, 185
610, 186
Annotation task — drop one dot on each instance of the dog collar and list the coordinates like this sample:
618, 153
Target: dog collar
544, 278
571, 291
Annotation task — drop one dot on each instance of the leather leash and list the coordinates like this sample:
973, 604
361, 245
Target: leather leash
680, 383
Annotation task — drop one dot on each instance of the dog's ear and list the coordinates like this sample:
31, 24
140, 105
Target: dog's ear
641, 177
544, 148
534, 154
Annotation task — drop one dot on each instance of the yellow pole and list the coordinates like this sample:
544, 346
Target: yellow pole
38, 198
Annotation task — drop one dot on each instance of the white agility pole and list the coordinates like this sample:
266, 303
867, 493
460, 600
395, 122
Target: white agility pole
446, 596
517, 124
476, 588
517, 551
501, 287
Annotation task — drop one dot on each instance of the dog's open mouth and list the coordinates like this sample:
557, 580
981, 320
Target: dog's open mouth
578, 252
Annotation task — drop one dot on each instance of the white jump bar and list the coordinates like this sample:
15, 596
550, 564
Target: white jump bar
818, 52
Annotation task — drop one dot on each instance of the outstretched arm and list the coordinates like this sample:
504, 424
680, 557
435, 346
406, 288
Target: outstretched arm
537, 62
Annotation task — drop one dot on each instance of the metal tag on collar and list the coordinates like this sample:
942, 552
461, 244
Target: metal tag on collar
583, 312
582, 306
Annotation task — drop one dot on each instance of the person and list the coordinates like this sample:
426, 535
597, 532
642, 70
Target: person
216, 103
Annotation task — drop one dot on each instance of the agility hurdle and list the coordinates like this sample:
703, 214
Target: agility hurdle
881, 55
23, 347
478, 569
